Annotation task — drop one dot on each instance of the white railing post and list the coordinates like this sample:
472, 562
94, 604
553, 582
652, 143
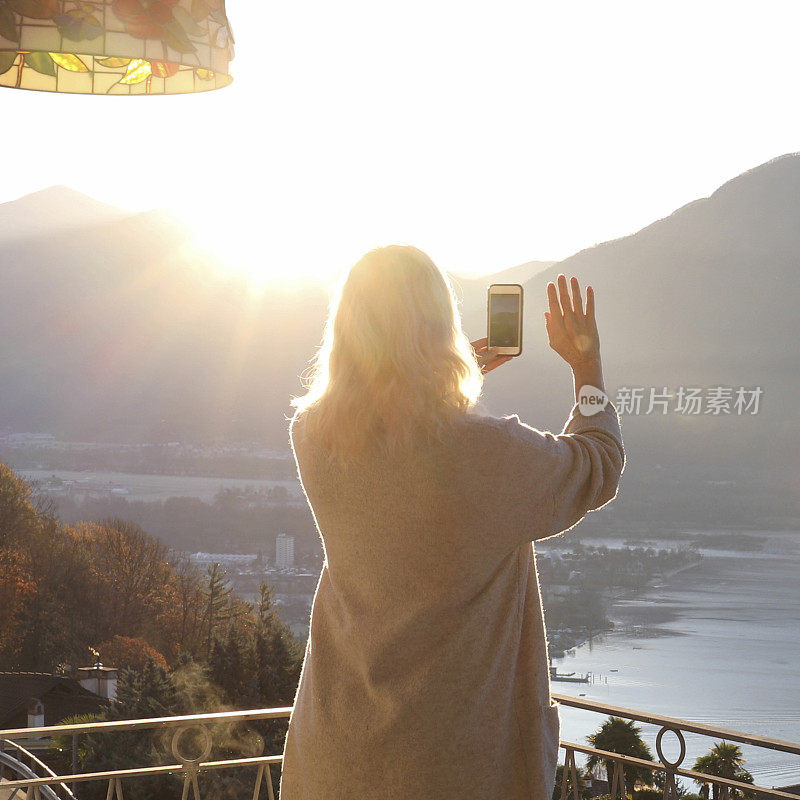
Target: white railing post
74, 760
618, 782
264, 773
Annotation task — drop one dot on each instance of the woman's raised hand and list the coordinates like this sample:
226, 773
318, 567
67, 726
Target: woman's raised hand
487, 359
571, 330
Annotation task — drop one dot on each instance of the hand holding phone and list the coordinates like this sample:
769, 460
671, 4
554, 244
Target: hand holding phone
487, 360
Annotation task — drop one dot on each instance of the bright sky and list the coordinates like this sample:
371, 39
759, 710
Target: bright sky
488, 133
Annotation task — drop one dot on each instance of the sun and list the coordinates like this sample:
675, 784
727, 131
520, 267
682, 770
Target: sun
240, 243
246, 239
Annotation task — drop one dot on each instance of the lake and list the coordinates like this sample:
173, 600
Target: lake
716, 644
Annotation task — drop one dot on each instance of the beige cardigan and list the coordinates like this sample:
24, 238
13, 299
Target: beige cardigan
426, 670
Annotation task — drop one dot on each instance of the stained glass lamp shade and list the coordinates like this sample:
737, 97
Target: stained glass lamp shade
115, 46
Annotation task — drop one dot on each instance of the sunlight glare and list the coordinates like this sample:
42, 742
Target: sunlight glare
247, 239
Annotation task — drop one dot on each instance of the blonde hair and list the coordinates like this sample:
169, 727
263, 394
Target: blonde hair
394, 362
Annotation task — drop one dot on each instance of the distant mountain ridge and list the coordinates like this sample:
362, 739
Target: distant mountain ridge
110, 331
56, 208
519, 274
114, 329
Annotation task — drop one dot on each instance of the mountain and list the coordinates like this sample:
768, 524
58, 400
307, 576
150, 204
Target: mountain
117, 330
519, 274
706, 297
57, 208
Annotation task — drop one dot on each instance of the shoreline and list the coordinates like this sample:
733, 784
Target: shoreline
613, 597
716, 646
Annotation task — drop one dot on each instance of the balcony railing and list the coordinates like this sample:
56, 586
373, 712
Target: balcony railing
190, 767
671, 769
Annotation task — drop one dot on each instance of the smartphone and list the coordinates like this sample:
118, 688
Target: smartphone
505, 318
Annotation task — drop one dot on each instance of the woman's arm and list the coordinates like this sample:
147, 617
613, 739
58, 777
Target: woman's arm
544, 483
572, 331
588, 373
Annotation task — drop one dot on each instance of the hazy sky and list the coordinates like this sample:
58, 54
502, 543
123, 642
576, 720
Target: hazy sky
486, 133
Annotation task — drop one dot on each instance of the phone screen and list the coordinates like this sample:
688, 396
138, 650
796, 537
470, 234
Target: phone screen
504, 320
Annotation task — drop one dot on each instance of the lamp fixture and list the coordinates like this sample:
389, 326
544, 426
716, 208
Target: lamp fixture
115, 46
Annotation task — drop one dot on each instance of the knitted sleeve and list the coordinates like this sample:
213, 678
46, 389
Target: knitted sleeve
550, 481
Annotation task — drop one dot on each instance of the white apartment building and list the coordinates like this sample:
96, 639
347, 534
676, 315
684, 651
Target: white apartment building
284, 551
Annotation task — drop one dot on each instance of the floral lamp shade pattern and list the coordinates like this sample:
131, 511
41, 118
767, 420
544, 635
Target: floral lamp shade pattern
115, 46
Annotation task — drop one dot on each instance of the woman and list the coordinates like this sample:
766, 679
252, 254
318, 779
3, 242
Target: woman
426, 670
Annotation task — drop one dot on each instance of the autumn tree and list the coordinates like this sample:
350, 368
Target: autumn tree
131, 573
16, 588
126, 652
18, 516
188, 600
186, 643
